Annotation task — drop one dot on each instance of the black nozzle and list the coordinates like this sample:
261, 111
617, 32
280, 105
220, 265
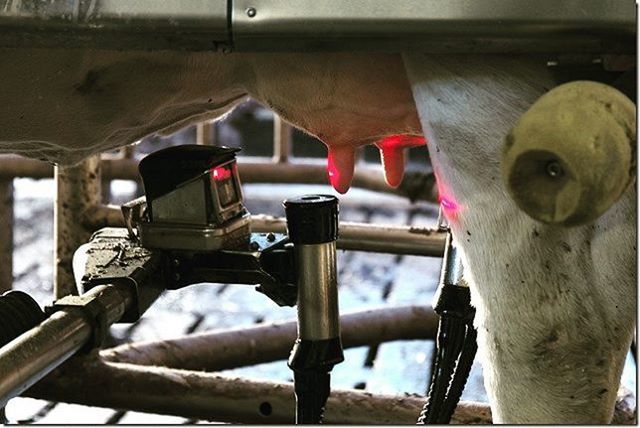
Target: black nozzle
315, 354
312, 219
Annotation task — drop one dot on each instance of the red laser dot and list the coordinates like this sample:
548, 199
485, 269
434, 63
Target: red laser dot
401, 141
448, 204
220, 173
332, 170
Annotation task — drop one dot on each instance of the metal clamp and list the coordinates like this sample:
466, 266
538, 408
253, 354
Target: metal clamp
113, 257
92, 309
133, 213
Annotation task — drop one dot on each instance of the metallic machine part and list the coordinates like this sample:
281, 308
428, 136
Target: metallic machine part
185, 205
200, 25
433, 26
113, 257
193, 204
452, 270
132, 213
318, 317
450, 26
456, 343
198, 238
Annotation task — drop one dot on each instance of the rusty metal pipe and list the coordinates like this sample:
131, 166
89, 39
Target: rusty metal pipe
202, 395
14, 166
77, 190
420, 241
221, 350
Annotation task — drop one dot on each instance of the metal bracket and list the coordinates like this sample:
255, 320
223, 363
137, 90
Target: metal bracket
133, 213
92, 310
112, 257
268, 262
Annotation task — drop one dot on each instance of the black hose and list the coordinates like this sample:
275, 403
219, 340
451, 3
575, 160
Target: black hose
451, 330
463, 368
312, 390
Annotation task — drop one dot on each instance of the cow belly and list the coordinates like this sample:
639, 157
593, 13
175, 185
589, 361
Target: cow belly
555, 306
63, 105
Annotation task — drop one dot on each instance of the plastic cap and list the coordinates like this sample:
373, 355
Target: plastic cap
312, 219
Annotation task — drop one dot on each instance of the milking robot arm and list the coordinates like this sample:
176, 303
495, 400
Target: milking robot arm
433, 26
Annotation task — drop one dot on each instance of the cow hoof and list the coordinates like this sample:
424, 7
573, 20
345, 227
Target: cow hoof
572, 154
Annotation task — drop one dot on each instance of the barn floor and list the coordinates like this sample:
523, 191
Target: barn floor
366, 280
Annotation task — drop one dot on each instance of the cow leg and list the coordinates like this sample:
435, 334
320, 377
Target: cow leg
555, 306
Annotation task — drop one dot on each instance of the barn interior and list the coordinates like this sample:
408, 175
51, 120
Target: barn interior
388, 275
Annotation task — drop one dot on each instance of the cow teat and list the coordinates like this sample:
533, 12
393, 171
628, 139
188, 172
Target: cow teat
341, 160
392, 155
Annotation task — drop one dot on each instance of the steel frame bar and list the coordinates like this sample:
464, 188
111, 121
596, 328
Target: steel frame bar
6, 235
77, 190
408, 240
220, 350
46, 346
202, 395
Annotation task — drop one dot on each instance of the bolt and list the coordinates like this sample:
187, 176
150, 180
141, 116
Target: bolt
251, 12
254, 246
554, 169
176, 262
176, 276
271, 237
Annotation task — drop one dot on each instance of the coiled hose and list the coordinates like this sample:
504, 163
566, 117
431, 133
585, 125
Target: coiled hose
18, 314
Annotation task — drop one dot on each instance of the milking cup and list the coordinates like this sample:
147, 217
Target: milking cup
312, 223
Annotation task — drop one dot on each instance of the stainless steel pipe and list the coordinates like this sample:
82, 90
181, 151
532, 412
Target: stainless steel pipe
317, 291
28, 358
418, 241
